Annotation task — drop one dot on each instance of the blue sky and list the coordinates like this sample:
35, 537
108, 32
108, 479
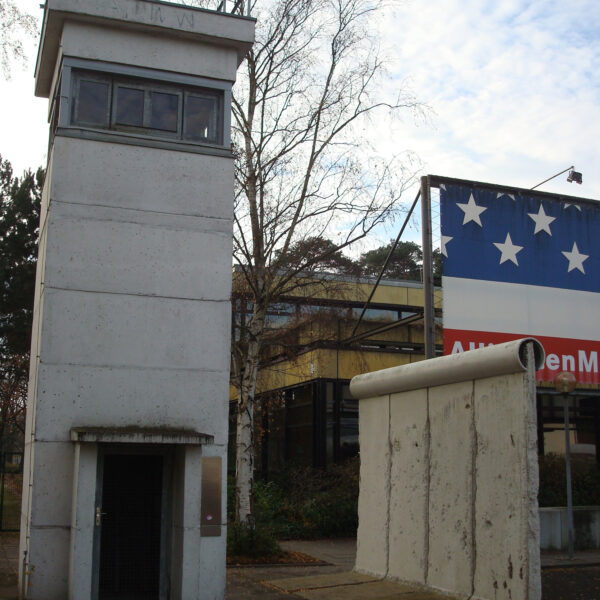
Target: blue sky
514, 88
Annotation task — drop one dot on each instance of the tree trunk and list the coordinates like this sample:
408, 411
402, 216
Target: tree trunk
244, 462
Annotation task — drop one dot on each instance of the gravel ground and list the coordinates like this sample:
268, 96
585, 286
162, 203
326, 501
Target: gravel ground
579, 583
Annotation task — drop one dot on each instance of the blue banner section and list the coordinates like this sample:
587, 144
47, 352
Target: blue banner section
525, 239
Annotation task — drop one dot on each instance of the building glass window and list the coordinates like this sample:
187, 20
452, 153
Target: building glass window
330, 425
280, 315
299, 425
147, 107
348, 424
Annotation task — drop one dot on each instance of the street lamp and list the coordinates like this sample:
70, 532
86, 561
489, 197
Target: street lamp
574, 176
565, 382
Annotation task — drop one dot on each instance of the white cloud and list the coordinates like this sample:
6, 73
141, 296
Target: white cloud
513, 84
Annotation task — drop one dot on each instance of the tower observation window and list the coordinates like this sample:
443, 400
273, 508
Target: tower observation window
140, 106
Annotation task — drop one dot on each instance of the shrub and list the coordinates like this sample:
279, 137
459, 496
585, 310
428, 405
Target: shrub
253, 541
304, 503
585, 478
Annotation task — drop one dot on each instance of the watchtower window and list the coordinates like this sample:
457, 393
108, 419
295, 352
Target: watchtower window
164, 111
102, 101
92, 102
129, 106
201, 112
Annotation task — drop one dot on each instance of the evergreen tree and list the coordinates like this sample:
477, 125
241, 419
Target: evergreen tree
318, 255
20, 200
406, 261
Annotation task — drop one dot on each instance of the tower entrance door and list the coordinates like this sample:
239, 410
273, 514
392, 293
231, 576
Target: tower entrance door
129, 533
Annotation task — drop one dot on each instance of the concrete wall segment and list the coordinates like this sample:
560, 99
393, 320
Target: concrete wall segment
212, 560
48, 570
213, 550
82, 521
138, 252
486, 362
30, 415
409, 484
148, 50
139, 178
532, 539
75, 396
26, 497
450, 526
502, 489
554, 527
470, 491
373, 502
117, 330
53, 468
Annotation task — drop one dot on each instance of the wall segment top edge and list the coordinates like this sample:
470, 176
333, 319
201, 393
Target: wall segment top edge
501, 359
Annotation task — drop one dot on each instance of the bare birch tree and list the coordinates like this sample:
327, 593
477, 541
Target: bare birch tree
14, 24
303, 105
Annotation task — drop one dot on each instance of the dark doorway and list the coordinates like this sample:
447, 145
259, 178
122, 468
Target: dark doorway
130, 539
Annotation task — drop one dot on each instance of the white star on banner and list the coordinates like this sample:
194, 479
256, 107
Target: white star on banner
542, 221
509, 250
500, 194
472, 211
575, 258
444, 241
567, 204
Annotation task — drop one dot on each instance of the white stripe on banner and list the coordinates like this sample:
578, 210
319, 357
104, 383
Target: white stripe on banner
479, 305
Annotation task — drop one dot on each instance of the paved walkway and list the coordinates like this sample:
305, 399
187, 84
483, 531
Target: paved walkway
328, 582
338, 581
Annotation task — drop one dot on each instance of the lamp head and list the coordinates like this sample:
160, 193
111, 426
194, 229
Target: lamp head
565, 382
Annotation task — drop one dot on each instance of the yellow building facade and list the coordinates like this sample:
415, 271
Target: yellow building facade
318, 339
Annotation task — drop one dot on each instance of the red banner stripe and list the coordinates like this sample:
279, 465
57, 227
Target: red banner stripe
580, 357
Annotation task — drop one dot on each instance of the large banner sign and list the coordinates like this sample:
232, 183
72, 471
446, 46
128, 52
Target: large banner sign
522, 265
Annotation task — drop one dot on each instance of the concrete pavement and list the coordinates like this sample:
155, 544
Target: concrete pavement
311, 582
337, 580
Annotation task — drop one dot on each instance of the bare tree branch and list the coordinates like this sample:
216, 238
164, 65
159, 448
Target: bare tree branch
304, 168
14, 26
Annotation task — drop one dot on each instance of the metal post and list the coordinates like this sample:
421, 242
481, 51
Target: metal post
428, 312
571, 527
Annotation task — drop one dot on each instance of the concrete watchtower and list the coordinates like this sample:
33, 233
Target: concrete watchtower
127, 413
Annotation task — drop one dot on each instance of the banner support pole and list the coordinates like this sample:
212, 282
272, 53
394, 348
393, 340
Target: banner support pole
428, 310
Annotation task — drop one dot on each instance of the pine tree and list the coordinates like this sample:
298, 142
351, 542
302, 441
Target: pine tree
20, 200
